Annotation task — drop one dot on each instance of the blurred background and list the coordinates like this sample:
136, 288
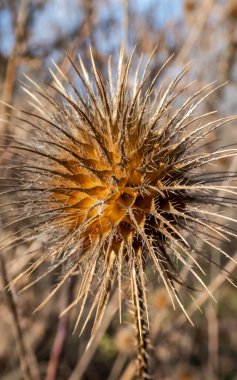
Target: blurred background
32, 32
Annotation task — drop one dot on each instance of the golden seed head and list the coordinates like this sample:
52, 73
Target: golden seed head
115, 179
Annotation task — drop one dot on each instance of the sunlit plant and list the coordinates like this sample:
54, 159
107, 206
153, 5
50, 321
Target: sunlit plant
114, 177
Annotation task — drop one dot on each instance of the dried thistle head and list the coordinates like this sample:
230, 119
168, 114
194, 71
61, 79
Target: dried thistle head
114, 178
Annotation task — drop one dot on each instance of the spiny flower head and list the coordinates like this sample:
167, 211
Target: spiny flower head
113, 179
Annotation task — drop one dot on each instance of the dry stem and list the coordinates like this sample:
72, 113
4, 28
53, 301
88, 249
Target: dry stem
28, 362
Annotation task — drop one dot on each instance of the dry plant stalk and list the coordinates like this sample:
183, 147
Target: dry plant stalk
115, 178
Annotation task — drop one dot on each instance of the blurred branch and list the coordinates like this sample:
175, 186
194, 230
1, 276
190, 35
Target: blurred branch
13, 60
89, 352
61, 336
125, 9
213, 339
129, 372
28, 361
196, 30
117, 367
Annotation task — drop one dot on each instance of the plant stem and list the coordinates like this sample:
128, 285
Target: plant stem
60, 338
29, 365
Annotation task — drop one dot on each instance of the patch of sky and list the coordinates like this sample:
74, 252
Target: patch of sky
59, 18
112, 12
6, 33
163, 10
55, 20
109, 33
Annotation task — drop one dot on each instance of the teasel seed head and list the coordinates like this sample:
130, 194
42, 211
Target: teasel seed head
115, 178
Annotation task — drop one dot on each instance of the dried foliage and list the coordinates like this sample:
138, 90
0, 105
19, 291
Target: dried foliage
71, 201
115, 178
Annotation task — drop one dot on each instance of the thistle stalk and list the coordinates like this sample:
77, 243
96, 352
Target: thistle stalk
141, 323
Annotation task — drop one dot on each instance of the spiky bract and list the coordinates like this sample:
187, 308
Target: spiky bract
114, 180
